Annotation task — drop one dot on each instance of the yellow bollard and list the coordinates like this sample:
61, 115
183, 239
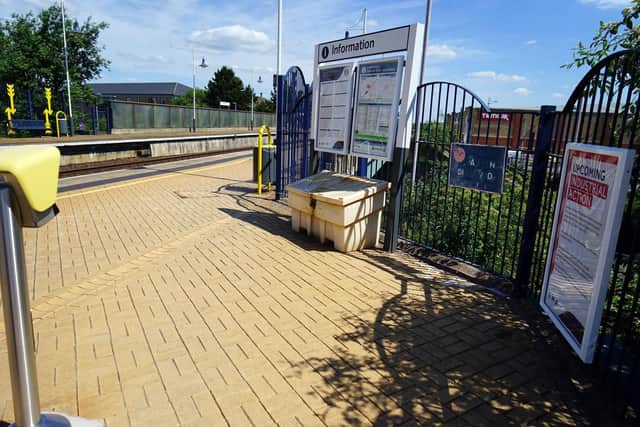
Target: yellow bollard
260, 146
47, 112
11, 109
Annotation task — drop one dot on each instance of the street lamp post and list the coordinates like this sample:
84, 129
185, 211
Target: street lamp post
66, 67
252, 95
202, 65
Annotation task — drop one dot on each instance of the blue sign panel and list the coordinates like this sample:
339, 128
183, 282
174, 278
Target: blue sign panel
477, 167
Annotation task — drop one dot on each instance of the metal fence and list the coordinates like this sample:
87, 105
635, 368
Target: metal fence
294, 120
604, 109
481, 228
508, 234
132, 115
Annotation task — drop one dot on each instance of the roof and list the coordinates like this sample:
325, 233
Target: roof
140, 89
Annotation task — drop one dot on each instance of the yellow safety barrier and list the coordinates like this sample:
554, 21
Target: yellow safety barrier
58, 122
47, 111
260, 146
11, 109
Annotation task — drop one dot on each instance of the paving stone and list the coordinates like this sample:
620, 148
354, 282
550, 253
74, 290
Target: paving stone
156, 309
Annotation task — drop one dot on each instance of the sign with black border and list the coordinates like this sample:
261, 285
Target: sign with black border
376, 43
477, 167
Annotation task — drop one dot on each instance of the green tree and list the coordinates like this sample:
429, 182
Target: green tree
264, 105
611, 36
226, 86
187, 98
33, 56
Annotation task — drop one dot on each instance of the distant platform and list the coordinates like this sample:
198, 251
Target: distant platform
127, 138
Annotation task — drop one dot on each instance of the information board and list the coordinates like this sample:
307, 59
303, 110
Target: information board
376, 108
593, 188
334, 112
477, 167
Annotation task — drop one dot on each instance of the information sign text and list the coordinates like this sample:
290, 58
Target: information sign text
591, 197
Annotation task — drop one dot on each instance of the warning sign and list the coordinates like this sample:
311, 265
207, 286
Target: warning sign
587, 221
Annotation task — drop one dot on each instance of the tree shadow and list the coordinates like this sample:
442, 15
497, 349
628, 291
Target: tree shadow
439, 354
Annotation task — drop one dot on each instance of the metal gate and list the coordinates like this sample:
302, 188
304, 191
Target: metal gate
293, 123
480, 228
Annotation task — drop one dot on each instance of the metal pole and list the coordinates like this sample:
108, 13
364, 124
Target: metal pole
425, 40
423, 63
364, 20
279, 46
252, 100
17, 315
17, 321
193, 60
66, 67
539, 171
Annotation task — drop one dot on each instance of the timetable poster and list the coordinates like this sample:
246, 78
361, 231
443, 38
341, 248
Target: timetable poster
376, 113
334, 112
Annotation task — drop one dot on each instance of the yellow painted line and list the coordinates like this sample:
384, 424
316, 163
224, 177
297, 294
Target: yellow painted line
135, 181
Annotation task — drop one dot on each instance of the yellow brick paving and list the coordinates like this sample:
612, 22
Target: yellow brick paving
187, 301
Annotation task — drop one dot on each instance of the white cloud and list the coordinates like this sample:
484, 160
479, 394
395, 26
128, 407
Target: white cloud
441, 51
232, 38
531, 42
522, 91
41, 3
492, 75
558, 95
607, 4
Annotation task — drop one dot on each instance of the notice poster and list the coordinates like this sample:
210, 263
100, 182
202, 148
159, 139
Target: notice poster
589, 209
334, 112
376, 111
477, 167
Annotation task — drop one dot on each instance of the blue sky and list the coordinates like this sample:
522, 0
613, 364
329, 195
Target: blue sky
508, 50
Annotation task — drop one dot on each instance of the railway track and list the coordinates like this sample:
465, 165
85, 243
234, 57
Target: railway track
108, 165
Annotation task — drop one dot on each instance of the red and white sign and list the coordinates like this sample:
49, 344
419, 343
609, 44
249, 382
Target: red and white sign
589, 209
494, 117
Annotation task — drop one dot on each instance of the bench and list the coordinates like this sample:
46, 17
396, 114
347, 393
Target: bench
26, 124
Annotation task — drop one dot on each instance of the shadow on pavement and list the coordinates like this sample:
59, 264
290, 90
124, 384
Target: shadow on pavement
439, 354
445, 355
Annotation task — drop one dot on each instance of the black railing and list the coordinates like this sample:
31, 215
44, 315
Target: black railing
480, 228
604, 109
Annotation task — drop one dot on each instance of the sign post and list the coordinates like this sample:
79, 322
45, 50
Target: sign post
593, 189
381, 131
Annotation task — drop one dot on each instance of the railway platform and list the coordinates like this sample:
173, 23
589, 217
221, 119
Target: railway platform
174, 295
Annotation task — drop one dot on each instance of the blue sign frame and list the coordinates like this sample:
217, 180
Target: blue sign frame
477, 167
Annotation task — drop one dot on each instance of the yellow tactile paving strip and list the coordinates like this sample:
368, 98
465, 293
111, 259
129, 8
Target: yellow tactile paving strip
187, 301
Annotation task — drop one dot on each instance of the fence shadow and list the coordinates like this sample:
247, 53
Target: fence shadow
433, 354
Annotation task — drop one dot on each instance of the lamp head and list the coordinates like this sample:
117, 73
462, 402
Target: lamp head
259, 79
203, 64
